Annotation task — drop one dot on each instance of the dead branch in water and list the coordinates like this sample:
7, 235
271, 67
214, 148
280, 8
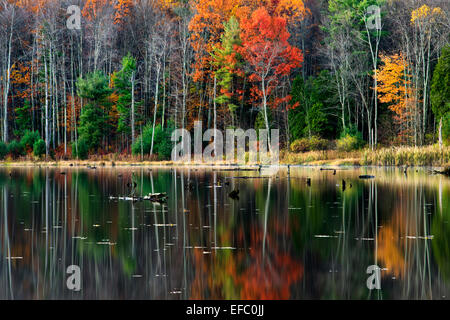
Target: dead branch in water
153, 197
445, 172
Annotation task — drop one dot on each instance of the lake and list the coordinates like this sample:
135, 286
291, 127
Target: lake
281, 237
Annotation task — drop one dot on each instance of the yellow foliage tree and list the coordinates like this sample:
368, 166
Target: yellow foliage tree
395, 89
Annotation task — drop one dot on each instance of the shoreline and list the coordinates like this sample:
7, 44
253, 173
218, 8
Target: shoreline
338, 163
426, 156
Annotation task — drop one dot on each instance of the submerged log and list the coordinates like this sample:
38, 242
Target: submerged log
366, 177
153, 197
445, 172
234, 194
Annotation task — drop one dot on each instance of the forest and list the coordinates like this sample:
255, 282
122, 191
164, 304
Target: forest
114, 78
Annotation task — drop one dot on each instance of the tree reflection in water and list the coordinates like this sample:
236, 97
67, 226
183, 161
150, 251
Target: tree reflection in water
282, 239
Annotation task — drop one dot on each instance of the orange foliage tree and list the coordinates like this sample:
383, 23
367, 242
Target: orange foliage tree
206, 28
207, 25
395, 89
123, 9
268, 54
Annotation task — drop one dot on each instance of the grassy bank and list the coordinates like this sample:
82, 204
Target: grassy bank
412, 156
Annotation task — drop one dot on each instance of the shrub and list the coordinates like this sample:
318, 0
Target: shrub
39, 148
29, 138
348, 143
15, 149
317, 143
312, 144
3, 150
82, 148
351, 139
300, 145
162, 144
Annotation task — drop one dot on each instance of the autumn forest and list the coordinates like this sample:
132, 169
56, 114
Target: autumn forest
90, 78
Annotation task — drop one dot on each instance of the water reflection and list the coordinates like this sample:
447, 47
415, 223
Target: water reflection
282, 239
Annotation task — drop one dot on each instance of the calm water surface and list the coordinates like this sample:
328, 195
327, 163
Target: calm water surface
282, 239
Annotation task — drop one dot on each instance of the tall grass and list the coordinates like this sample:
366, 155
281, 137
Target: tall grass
412, 156
319, 156
399, 156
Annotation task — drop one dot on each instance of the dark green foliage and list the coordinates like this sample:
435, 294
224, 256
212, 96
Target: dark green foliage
94, 116
3, 150
440, 87
39, 148
308, 116
28, 139
440, 92
162, 145
80, 150
226, 65
91, 126
122, 83
23, 118
15, 149
94, 87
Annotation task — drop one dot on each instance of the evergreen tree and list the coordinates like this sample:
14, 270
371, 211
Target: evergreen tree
94, 116
227, 60
440, 95
123, 83
23, 118
309, 115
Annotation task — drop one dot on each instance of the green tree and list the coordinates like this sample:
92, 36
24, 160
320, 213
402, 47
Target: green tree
95, 115
309, 114
227, 60
39, 148
3, 150
80, 149
23, 119
162, 141
354, 28
15, 149
124, 86
28, 139
440, 95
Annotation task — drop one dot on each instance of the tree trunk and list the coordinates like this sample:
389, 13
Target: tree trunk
132, 108
47, 142
8, 82
158, 67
